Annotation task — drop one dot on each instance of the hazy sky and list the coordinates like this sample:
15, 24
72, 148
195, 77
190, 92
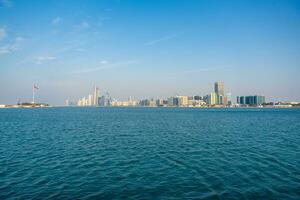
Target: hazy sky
148, 48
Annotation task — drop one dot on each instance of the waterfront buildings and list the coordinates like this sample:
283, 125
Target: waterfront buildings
148, 103
254, 100
91, 99
173, 101
198, 97
217, 98
196, 103
161, 102
214, 99
129, 103
104, 100
183, 101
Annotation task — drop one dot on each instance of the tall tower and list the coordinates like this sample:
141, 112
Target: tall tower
96, 96
219, 88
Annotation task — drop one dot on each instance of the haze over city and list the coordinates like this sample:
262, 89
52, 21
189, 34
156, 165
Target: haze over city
148, 49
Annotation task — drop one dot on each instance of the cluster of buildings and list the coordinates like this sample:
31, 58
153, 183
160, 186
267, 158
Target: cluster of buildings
96, 99
90, 100
214, 99
218, 98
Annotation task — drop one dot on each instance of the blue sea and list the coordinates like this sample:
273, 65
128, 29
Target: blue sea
149, 153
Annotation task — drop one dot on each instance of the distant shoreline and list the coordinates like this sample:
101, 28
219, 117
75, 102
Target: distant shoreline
249, 107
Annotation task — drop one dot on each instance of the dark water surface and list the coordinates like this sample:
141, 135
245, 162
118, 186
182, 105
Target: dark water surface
149, 153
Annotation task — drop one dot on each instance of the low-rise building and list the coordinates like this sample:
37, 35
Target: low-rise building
253, 100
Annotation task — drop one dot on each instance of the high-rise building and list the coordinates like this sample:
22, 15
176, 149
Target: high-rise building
90, 100
212, 98
96, 96
219, 88
219, 91
84, 101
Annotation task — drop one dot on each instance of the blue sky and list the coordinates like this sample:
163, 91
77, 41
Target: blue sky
148, 48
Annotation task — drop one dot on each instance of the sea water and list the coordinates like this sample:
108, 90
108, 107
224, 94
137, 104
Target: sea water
149, 153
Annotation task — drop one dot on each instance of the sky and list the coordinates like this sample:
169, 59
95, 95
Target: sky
148, 48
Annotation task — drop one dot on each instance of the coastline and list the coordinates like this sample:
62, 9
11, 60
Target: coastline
150, 107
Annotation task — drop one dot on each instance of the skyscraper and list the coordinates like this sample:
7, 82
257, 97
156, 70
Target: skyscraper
90, 100
96, 96
219, 88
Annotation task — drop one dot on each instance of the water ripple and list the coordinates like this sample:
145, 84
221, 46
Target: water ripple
142, 153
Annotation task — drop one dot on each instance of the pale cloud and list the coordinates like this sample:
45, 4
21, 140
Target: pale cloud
8, 48
41, 59
162, 39
80, 50
55, 54
11, 47
105, 65
2, 33
56, 20
103, 62
19, 39
70, 46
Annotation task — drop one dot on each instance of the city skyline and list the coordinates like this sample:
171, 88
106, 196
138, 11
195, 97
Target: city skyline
148, 49
218, 98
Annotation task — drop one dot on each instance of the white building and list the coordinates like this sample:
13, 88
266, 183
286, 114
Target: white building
96, 96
